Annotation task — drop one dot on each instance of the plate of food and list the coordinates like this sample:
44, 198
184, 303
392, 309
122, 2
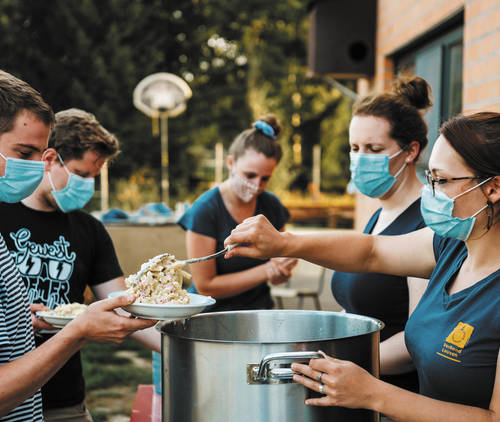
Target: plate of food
62, 314
160, 294
167, 311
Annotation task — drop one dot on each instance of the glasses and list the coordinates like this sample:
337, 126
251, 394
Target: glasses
433, 182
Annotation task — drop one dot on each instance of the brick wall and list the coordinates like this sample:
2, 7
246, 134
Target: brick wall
481, 89
399, 22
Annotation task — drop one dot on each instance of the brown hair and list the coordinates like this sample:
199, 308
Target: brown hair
16, 96
77, 131
255, 139
402, 108
477, 139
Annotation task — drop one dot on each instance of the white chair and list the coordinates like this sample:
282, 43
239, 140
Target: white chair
300, 293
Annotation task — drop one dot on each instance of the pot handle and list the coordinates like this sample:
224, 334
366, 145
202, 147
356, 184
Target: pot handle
262, 373
264, 363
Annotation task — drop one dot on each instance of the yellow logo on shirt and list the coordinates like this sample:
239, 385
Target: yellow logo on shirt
460, 334
456, 341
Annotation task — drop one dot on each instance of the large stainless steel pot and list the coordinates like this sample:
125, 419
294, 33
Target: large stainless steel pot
235, 366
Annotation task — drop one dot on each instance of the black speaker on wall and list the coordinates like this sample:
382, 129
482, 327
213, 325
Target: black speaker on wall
342, 37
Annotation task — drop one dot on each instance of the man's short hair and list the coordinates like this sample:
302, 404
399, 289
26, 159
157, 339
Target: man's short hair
16, 96
77, 131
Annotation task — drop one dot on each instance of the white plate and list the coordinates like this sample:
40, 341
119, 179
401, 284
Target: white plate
57, 321
166, 311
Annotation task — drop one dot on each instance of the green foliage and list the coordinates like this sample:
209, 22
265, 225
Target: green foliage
102, 368
139, 188
112, 380
99, 376
335, 150
241, 59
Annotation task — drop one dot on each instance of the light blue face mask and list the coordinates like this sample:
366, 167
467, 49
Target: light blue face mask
21, 178
370, 173
437, 212
77, 192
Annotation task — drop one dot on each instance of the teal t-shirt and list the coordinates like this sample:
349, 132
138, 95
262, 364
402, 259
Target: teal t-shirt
454, 340
209, 216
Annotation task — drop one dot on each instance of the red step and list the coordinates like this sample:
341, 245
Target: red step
147, 405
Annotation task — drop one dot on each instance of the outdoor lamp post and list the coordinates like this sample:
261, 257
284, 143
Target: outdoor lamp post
160, 96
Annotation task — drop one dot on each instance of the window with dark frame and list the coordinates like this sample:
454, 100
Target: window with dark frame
439, 61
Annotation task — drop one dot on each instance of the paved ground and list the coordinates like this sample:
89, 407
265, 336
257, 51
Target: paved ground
307, 275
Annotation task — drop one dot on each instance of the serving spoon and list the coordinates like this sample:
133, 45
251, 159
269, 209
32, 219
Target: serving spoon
183, 262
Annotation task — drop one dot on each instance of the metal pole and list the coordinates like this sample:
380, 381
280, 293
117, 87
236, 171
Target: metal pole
316, 174
343, 89
104, 188
164, 160
219, 162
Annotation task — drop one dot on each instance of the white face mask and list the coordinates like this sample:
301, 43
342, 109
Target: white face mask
244, 189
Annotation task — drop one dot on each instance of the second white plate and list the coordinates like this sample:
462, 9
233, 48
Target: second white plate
55, 320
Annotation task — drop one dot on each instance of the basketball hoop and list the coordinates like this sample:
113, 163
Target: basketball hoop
162, 95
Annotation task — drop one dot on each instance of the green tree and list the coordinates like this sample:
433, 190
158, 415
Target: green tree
241, 58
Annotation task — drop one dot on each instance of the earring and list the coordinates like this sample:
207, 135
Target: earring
489, 212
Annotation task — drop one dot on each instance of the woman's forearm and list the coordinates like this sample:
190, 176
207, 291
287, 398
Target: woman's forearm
256, 237
342, 251
227, 285
150, 337
410, 254
348, 385
394, 356
404, 406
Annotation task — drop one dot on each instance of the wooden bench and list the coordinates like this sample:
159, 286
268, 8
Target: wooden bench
331, 216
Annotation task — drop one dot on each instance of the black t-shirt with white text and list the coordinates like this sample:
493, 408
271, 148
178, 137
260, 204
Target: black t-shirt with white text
58, 255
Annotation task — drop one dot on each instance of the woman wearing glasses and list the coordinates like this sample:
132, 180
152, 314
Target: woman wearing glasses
387, 134
453, 335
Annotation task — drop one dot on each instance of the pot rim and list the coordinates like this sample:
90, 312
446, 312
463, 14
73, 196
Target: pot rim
377, 326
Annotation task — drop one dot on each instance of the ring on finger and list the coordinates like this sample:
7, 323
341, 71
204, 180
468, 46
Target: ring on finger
321, 388
319, 377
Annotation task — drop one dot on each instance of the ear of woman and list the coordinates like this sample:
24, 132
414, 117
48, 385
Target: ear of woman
492, 190
413, 150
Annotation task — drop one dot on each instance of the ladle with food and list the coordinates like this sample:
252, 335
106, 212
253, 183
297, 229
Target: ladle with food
146, 266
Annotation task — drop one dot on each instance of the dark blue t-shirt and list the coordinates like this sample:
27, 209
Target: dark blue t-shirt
209, 216
382, 296
454, 340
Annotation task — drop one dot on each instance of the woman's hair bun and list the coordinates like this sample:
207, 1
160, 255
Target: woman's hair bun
272, 121
414, 90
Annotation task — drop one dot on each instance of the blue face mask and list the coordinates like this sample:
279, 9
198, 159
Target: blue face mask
21, 178
370, 173
76, 194
437, 212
